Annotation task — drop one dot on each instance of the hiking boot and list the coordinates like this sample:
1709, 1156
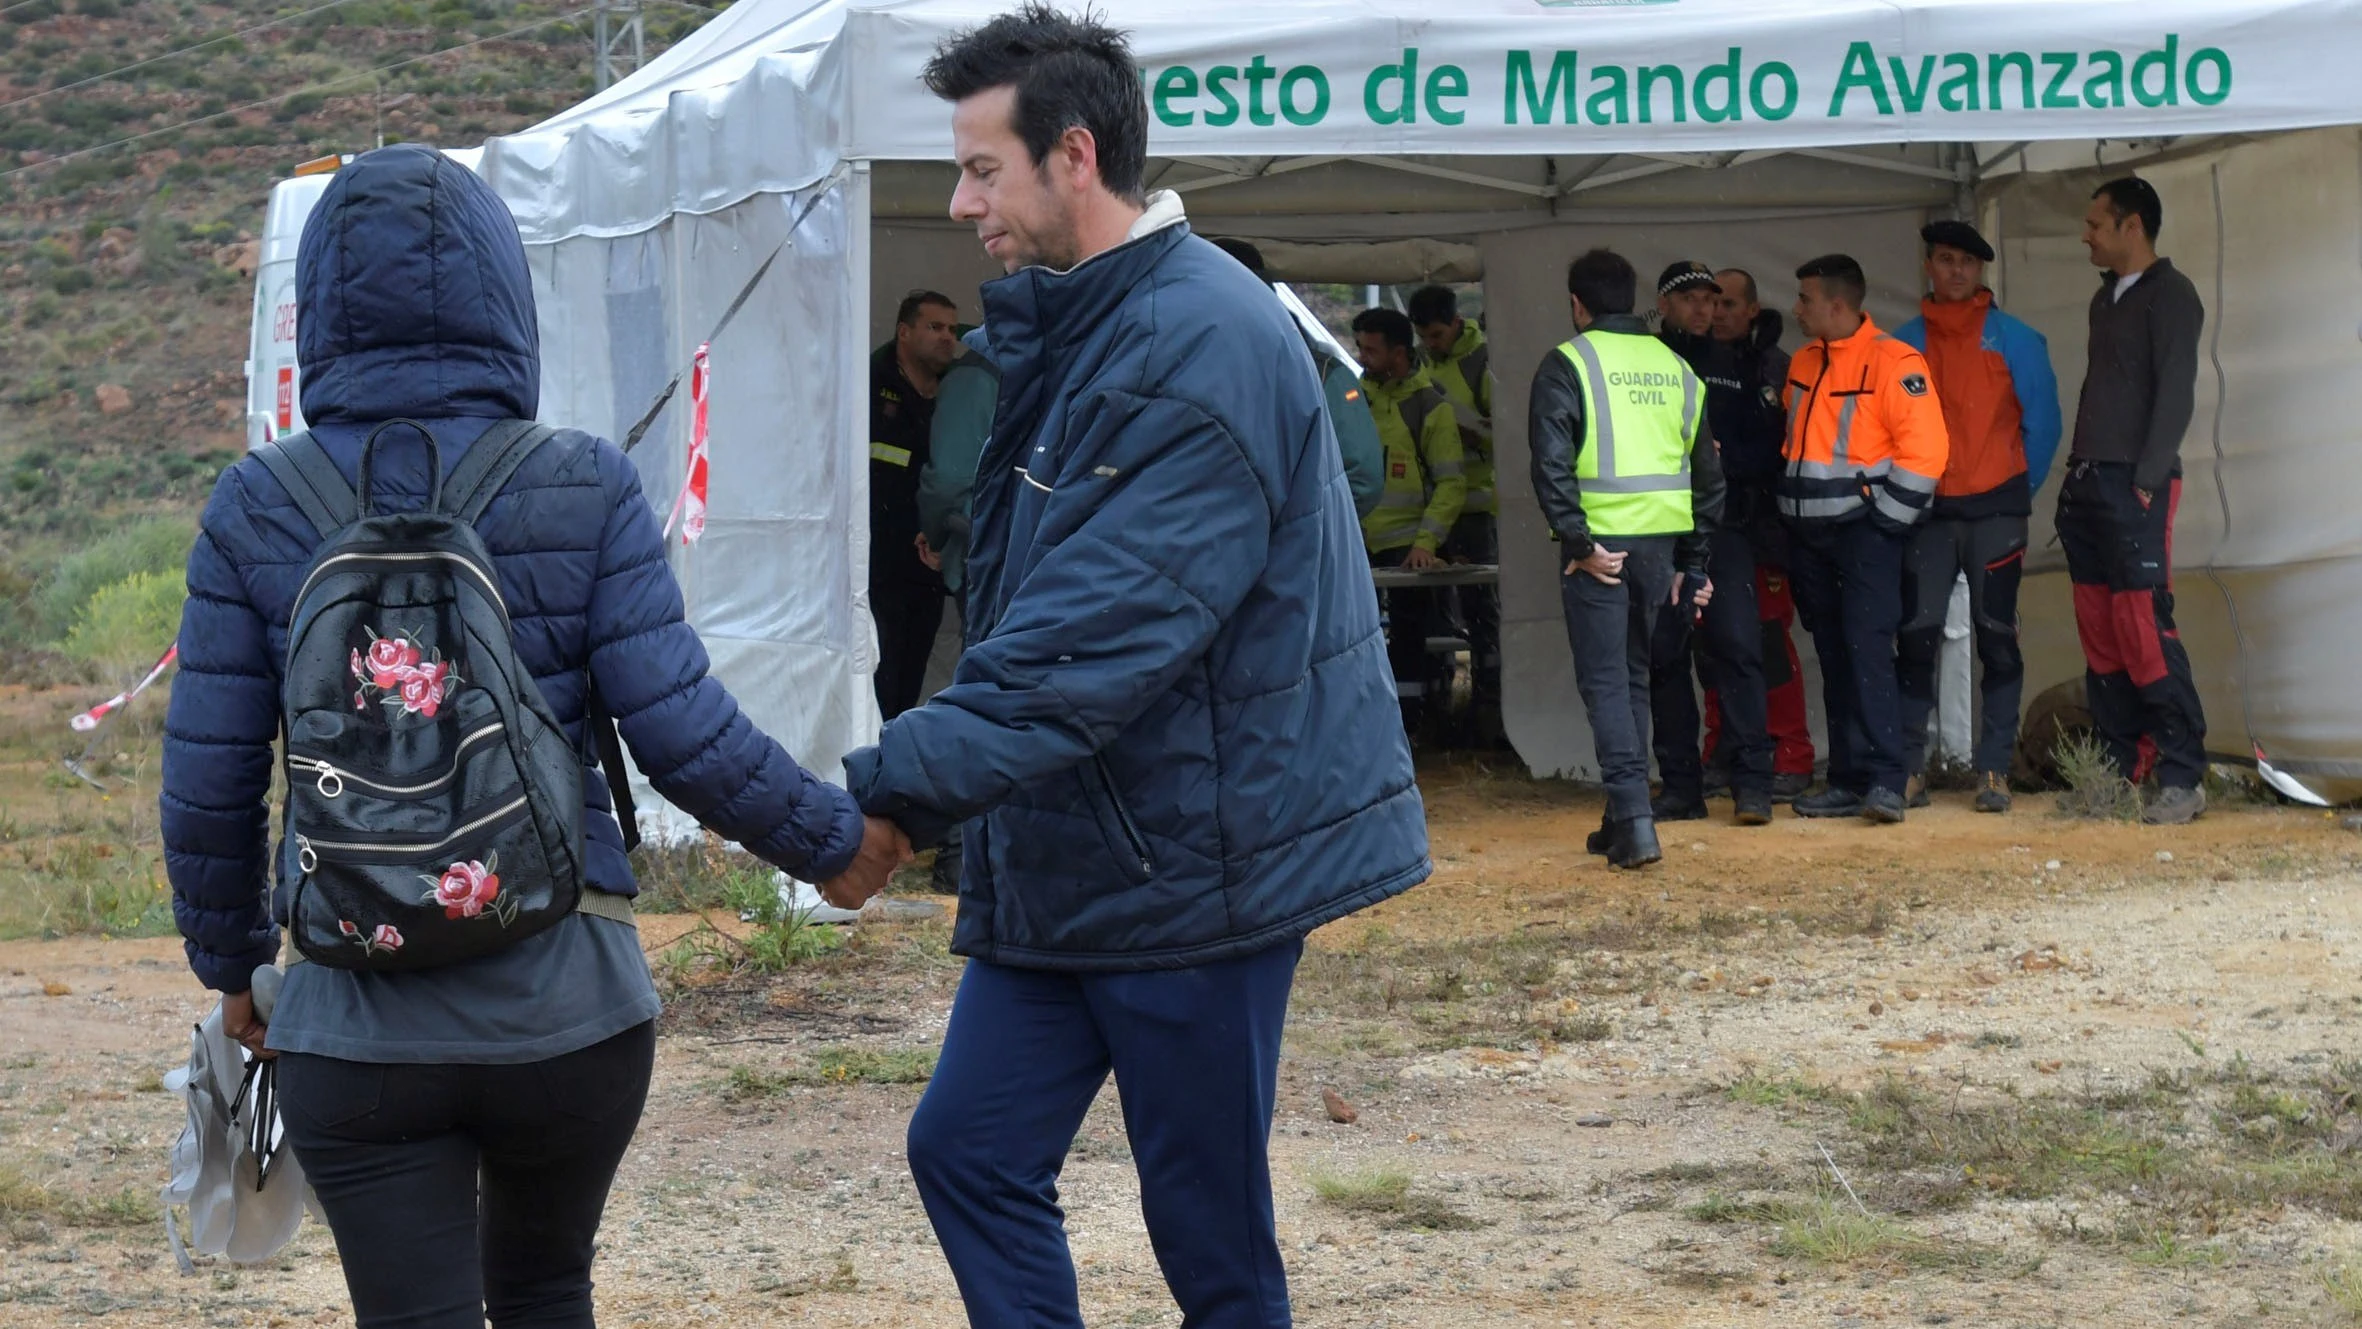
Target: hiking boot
1717, 782
1787, 786
1633, 844
1885, 807
1830, 802
1598, 841
1992, 792
1673, 807
1915, 791
2175, 807
1754, 807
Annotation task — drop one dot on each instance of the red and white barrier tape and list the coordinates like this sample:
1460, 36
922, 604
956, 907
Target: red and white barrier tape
689, 504
88, 720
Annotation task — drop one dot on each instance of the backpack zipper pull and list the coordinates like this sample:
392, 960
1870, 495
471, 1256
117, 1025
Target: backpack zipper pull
330, 784
305, 858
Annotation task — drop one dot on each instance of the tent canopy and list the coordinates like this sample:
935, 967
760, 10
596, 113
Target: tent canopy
1379, 139
1594, 95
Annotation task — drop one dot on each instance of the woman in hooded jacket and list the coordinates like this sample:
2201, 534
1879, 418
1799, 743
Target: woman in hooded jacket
461, 1124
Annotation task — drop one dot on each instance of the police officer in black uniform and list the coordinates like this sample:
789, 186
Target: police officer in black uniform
1731, 644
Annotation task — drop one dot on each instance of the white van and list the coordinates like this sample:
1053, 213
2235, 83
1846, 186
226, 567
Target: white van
274, 391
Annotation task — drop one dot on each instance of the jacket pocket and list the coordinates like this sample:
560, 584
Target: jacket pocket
1125, 844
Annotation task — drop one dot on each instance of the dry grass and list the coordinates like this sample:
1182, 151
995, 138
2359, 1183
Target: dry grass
1387, 1193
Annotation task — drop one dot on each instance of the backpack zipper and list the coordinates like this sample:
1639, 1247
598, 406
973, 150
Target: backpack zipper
432, 556
332, 779
307, 849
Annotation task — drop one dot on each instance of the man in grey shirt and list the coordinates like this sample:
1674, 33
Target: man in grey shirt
2124, 480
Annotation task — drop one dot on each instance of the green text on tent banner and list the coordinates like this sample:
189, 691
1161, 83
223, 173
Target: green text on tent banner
1560, 87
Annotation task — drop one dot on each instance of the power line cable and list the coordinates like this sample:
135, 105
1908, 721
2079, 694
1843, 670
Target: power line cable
366, 74
170, 55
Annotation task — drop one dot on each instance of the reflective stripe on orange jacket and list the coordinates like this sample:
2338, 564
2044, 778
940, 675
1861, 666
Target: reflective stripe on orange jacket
1865, 431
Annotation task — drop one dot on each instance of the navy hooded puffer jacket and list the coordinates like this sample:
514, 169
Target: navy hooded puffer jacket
1174, 727
416, 302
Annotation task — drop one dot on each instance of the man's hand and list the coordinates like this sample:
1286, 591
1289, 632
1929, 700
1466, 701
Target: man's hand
2144, 496
237, 1020
883, 848
1605, 566
1419, 560
1704, 595
928, 556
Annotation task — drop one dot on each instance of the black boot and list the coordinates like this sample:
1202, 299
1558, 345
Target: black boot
1633, 844
1599, 841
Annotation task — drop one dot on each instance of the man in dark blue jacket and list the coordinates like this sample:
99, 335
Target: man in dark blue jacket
419, 1102
1172, 736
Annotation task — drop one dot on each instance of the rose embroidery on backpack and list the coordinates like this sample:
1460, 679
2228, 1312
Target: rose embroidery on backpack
387, 938
472, 890
399, 674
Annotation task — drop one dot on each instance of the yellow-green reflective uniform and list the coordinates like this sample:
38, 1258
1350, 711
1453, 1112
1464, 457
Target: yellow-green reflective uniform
1465, 378
1641, 410
1426, 475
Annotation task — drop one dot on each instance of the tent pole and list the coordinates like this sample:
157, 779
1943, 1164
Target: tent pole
1964, 182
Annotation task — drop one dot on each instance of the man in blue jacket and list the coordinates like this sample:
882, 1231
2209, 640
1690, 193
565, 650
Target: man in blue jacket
420, 1102
1172, 735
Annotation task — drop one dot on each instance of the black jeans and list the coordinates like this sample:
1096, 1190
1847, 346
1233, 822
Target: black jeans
457, 1192
908, 613
1610, 629
1848, 578
1731, 663
1992, 552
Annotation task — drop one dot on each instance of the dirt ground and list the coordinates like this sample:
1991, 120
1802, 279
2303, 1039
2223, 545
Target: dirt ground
1571, 1067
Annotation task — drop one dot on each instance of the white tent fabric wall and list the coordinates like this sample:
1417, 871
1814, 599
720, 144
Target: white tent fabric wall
777, 587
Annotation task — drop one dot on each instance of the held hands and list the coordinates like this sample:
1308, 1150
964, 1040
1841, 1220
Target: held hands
1705, 592
1605, 566
1419, 560
928, 556
883, 848
239, 1022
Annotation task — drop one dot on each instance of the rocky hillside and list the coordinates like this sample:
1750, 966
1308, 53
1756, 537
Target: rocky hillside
138, 142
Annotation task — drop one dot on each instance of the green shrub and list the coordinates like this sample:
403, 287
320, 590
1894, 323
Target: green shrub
72, 281
159, 545
128, 624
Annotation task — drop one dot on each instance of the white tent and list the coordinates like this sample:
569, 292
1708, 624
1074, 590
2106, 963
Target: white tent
1393, 140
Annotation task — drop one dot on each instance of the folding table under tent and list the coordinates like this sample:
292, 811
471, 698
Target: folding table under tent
1383, 140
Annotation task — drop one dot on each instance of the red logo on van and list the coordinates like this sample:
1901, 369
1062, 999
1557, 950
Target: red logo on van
286, 396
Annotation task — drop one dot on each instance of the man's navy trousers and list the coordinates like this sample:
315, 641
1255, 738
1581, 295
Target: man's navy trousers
1195, 1054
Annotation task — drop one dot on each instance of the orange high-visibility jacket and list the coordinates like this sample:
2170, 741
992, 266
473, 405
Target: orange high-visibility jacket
1865, 432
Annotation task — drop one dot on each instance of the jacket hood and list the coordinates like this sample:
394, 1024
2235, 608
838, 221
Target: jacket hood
414, 296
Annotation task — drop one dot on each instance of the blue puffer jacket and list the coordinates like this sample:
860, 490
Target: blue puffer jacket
1174, 721
416, 302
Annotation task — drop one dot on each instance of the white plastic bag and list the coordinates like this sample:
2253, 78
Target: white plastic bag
215, 1170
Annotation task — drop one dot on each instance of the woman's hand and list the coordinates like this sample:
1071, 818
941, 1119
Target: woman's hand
239, 1022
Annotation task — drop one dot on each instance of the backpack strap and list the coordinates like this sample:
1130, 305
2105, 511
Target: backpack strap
302, 468
478, 478
601, 723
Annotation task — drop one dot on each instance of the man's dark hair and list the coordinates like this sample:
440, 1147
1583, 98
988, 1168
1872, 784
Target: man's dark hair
908, 314
2134, 197
1391, 324
1604, 281
1751, 295
1069, 73
1247, 255
1839, 276
1432, 306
